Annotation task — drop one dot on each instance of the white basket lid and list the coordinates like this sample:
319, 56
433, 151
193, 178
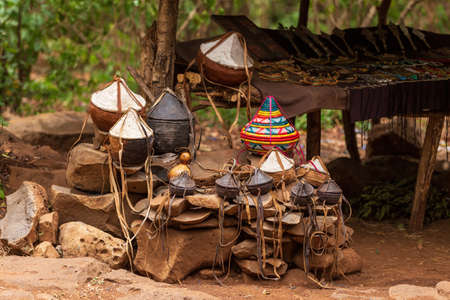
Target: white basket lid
315, 165
229, 53
106, 99
131, 126
272, 165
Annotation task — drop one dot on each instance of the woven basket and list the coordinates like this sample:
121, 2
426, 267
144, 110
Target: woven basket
219, 72
312, 176
109, 103
170, 120
269, 128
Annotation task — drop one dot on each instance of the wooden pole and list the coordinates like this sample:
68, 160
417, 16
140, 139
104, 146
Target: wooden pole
312, 119
303, 13
426, 168
313, 134
383, 11
350, 136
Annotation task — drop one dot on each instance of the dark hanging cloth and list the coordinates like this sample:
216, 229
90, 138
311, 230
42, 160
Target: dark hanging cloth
399, 98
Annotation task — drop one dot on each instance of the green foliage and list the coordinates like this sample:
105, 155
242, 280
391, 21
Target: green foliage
54, 54
2, 192
387, 201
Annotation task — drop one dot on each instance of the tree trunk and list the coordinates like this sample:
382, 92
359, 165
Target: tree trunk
426, 168
166, 29
148, 51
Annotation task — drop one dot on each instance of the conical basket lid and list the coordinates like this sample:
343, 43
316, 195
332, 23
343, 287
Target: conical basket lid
302, 190
329, 187
269, 128
184, 181
230, 52
107, 98
131, 126
259, 178
315, 164
227, 181
168, 107
277, 162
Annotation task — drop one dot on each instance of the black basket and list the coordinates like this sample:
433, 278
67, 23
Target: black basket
259, 182
227, 186
170, 136
301, 194
329, 193
182, 185
170, 120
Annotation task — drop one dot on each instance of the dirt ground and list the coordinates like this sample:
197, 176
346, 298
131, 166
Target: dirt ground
390, 255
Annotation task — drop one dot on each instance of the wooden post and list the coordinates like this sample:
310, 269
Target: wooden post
312, 119
426, 168
313, 134
303, 13
350, 136
383, 11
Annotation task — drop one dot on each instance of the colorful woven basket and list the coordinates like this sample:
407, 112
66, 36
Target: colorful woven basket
269, 128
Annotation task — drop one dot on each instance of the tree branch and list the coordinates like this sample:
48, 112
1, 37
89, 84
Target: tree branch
369, 17
407, 9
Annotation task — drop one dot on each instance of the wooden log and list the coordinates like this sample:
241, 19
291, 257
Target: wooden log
350, 136
313, 134
426, 168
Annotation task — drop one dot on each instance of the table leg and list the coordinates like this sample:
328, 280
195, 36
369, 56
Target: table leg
426, 168
350, 136
313, 134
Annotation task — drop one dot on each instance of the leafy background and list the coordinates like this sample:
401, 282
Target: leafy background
55, 53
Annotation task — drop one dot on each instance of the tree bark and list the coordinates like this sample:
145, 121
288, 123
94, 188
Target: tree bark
148, 51
426, 168
166, 29
383, 11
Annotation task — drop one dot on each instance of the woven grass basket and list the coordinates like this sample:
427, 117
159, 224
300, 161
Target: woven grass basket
312, 176
286, 176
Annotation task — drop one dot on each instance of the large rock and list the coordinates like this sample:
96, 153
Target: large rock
251, 267
211, 201
202, 169
15, 294
348, 261
48, 227
183, 253
87, 169
78, 239
95, 210
46, 250
247, 249
59, 130
24, 208
410, 292
82, 278
382, 135
49, 273
443, 288
179, 205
